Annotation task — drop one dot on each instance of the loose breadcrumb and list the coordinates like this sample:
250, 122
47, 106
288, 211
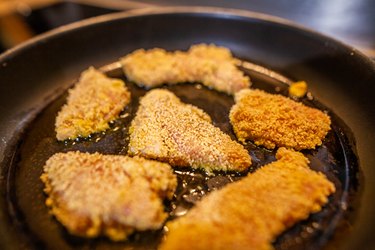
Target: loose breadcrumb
298, 89
94, 194
211, 65
251, 213
168, 130
94, 101
277, 121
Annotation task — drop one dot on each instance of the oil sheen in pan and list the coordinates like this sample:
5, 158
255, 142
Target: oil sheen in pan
336, 158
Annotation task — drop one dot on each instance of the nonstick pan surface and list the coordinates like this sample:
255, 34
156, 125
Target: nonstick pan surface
34, 78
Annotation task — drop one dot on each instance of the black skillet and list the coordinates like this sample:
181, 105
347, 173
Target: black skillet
34, 77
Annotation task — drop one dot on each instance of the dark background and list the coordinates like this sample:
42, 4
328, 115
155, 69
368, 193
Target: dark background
352, 22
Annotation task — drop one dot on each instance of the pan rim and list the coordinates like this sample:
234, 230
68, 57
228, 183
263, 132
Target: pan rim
198, 10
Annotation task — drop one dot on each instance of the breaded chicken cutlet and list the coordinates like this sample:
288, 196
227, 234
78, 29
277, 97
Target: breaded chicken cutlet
95, 101
273, 120
251, 213
210, 65
94, 194
181, 134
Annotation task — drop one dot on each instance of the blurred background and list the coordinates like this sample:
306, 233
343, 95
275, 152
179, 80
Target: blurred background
351, 21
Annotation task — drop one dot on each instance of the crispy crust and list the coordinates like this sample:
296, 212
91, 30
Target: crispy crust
277, 121
94, 194
209, 64
298, 89
168, 130
251, 213
94, 101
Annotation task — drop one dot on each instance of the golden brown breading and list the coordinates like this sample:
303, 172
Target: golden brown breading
212, 52
298, 89
94, 101
152, 67
209, 64
274, 120
94, 194
168, 130
251, 213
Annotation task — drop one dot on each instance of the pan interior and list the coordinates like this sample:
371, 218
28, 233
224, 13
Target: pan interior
335, 158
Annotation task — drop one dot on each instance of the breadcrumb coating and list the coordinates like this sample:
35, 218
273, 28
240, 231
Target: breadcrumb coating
217, 53
251, 213
94, 101
181, 134
94, 194
298, 89
211, 65
277, 121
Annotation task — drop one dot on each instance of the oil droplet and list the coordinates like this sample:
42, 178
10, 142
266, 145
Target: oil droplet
309, 230
198, 86
180, 211
344, 206
315, 225
309, 96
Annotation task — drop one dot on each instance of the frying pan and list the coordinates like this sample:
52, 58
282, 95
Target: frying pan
35, 74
